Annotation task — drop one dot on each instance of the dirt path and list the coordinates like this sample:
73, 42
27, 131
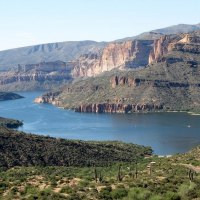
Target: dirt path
192, 167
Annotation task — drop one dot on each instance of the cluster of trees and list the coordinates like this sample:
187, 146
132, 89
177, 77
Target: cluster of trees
10, 123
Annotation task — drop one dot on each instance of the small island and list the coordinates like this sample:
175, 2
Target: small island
9, 96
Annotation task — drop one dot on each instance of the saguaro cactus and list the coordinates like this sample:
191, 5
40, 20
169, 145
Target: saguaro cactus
100, 177
119, 175
191, 175
136, 170
95, 174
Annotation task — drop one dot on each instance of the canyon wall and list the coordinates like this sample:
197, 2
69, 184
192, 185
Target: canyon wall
115, 55
189, 43
122, 55
40, 73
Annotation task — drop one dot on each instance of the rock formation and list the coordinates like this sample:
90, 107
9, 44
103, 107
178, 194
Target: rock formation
170, 81
41, 73
182, 42
121, 55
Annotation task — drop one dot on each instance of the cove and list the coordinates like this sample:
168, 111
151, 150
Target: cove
166, 133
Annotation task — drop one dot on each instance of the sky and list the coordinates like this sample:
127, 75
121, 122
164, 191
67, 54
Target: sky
30, 22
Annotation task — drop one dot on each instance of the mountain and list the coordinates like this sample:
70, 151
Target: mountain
171, 81
64, 51
68, 51
48, 66
155, 34
180, 28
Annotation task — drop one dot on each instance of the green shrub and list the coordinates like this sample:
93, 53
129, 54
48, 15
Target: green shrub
66, 189
119, 193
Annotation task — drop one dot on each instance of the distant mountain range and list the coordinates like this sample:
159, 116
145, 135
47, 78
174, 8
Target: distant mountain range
49, 66
68, 51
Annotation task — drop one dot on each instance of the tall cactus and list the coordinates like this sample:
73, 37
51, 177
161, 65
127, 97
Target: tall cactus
119, 175
136, 170
95, 174
191, 175
100, 177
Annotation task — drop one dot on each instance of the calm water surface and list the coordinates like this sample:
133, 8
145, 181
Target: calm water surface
167, 133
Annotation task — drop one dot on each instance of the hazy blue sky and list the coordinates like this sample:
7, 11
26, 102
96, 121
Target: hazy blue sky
27, 22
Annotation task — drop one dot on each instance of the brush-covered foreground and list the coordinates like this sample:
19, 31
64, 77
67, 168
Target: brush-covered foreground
38, 167
152, 178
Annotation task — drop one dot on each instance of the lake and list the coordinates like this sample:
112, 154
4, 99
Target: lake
166, 133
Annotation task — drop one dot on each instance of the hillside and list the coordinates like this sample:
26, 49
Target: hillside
20, 149
10, 123
152, 178
170, 82
64, 51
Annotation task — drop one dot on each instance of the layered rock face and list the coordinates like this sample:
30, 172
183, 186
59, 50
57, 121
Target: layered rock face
183, 42
122, 55
170, 82
134, 54
50, 97
117, 108
36, 73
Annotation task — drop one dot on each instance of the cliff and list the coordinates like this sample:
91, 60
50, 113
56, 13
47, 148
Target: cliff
189, 43
44, 75
171, 81
121, 55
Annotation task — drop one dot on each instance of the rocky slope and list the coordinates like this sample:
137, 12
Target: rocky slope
44, 75
171, 81
120, 55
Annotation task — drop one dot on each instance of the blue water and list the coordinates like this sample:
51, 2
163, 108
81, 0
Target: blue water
166, 133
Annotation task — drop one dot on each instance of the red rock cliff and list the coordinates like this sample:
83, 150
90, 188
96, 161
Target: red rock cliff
129, 54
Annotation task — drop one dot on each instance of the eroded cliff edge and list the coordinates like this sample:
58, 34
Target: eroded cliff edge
169, 82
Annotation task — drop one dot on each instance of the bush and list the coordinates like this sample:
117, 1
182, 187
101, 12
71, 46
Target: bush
119, 193
67, 190
105, 193
138, 194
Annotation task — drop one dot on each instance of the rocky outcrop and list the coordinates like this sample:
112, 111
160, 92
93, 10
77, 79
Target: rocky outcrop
49, 97
181, 42
86, 65
117, 108
130, 54
41, 73
121, 55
